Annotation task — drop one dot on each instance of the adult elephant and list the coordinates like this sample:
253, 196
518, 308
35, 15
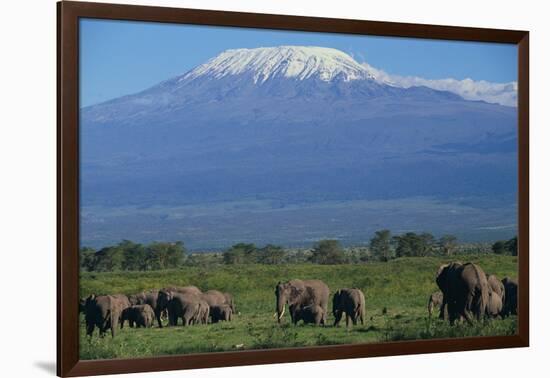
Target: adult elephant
465, 290
301, 293
104, 312
511, 297
150, 298
350, 301
184, 306
165, 295
217, 298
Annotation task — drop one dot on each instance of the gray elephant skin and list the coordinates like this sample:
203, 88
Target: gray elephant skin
435, 303
301, 293
138, 316
497, 297
150, 298
511, 297
494, 305
465, 290
203, 313
310, 314
165, 294
104, 312
220, 313
351, 302
218, 298
186, 307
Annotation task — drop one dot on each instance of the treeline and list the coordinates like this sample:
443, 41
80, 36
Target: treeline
506, 247
383, 246
128, 255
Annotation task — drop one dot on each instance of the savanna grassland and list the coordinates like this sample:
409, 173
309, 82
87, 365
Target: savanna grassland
396, 298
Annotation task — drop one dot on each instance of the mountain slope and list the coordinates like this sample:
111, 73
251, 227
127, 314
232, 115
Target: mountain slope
294, 124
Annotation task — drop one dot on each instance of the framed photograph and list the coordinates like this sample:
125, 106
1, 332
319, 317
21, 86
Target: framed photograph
238, 188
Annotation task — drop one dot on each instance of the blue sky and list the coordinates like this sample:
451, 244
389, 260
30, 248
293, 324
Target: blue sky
124, 57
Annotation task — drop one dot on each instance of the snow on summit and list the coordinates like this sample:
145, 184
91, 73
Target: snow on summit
300, 62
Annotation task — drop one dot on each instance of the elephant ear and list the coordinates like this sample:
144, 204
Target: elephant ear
295, 292
337, 297
440, 277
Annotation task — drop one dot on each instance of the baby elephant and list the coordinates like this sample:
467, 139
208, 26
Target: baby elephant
350, 301
310, 314
138, 315
435, 303
220, 313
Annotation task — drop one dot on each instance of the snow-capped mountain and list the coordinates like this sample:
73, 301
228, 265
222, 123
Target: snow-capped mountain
299, 62
295, 125
275, 74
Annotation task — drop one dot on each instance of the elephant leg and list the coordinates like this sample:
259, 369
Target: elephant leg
172, 319
452, 312
442, 309
90, 328
464, 311
337, 318
355, 317
157, 316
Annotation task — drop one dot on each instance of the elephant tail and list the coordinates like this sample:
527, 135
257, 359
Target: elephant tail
479, 303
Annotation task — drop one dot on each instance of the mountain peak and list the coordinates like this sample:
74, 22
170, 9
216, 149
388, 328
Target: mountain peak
298, 62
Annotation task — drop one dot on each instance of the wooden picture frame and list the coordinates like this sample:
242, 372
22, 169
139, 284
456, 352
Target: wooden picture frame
69, 13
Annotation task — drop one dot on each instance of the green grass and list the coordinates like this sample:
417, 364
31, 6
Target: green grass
401, 287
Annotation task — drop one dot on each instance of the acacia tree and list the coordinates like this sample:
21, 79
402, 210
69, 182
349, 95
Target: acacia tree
381, 245
135, 256
87, 259
109, 259
241, 253
271, 254
512, 246
412, 244
448, 244
165, 255
499, 247
327, 252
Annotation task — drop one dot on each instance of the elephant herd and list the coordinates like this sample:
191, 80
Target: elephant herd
307, 301
467, 292
187, 303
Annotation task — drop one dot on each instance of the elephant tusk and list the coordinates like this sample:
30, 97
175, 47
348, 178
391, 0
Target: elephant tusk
282, 313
